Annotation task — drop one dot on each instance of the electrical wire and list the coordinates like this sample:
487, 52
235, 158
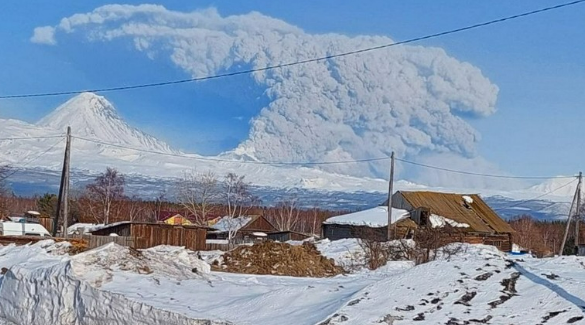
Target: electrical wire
5, 177
283, 65
539, 196
478, 174
227, 160
27, 138
275, 163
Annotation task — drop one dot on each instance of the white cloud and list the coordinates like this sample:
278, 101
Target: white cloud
410, 99
44, 35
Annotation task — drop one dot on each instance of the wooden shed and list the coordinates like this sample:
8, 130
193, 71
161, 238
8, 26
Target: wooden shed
354, 226
142, 235
247, 227
283, 236
475, 221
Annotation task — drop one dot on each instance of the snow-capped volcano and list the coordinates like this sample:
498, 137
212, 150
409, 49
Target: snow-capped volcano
94, 117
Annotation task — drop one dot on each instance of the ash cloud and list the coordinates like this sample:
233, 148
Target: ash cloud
411, 99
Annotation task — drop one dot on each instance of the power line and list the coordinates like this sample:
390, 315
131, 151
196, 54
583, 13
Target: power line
539, 196
310, 163
478, 174
28, 138
231, 161
30, 161
283, 65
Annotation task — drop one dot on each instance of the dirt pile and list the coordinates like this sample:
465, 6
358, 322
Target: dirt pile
279, 259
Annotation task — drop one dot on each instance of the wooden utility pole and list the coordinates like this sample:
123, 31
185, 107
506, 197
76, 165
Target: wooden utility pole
63, 199
390, 191
576, 198
578, 212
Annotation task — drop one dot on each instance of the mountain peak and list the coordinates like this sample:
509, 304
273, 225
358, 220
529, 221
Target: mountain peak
80, 112
93, 116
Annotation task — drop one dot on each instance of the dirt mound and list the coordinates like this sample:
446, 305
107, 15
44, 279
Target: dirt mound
279, 259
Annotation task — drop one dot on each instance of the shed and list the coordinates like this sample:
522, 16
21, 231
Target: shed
475, 220
283, 236
370, 223
145, 235
246, 227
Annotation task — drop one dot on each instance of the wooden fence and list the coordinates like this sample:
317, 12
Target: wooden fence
148, 235
97, 241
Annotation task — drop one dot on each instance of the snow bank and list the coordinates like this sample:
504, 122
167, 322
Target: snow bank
98, 265
40, 287
375, 217
348, 254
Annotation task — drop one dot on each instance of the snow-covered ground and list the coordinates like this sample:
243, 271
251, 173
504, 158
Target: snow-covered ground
170, 285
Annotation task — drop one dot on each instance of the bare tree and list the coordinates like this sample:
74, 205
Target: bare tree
287, 214
238, 201
103, 194
4, 191
197, 193
135, 208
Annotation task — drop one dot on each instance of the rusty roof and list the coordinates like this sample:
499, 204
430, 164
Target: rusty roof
479, 216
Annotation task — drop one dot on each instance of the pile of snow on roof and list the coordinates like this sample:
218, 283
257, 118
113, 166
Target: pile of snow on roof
375, 217
228, 223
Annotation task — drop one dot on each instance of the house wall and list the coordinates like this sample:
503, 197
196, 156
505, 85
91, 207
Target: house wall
259, 225
337, 232
398, 202
501, 241
283, 236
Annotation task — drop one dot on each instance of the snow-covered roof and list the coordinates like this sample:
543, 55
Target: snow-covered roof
228, 223
375, 217
87, 227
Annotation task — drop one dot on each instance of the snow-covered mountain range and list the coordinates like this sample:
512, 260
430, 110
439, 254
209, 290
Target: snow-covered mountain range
101, 138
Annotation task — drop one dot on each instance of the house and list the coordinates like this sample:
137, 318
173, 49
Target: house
472, 220
175, 218
370, 223
475, 221
178, 220
246, 228
141, 235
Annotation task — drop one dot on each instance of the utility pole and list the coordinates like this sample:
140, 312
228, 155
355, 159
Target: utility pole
578, 212
63, 199
390, 191
576, 197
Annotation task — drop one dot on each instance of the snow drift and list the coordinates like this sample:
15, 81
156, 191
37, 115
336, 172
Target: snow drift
40, 288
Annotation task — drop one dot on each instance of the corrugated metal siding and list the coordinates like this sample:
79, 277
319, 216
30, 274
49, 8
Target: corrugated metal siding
480, 217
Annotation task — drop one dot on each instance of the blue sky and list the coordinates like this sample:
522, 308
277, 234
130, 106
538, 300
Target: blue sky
537, 62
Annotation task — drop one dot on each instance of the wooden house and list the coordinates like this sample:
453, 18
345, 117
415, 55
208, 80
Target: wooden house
247, 228
178, 220
475, 221
460, 217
